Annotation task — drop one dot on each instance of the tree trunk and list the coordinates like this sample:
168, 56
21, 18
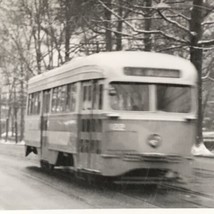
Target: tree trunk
148, 24
22, 107
67, 29
37, 36
15, 109
119, 27
196, 54
107, 24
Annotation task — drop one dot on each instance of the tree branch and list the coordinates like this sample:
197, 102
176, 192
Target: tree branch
171, 37
174, 23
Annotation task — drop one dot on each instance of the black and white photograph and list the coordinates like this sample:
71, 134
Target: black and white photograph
106, 105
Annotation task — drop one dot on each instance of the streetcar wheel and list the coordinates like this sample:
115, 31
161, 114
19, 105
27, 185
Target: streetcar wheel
42, 164
46, 165
50, 166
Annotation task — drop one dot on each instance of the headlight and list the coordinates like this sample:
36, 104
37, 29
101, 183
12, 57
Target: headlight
154, 140
171, 175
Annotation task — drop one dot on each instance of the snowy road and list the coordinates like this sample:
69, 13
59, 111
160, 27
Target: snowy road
25, 186
20, 190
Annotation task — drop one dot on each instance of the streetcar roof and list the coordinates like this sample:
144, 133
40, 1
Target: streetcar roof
119, 59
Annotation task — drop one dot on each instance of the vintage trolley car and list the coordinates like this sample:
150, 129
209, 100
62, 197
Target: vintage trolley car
125, 115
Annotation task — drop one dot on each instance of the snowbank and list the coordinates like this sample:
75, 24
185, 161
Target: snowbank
2, 141
201, 150
208, 134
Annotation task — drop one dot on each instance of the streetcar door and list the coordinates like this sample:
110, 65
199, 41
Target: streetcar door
96, 125
89, 140
85, 118
44, 124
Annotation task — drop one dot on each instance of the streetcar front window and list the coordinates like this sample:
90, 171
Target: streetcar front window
129, 96
171, 98
135, 97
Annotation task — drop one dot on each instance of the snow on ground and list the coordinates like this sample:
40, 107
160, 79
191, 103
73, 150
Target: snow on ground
2, 141
201, 150
9, 134
10, 137
208, 134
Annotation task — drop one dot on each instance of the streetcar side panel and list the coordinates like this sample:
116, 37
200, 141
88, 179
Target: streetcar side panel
57, 127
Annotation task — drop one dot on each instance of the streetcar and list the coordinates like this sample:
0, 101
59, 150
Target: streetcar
129, 116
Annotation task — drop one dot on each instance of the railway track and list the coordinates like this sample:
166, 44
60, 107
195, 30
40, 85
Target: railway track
151, 195
191, 196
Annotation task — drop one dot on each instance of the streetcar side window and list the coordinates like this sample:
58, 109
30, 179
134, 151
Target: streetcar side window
46, 101
34, 103
71, 97
97, 95
58, 99
29, 104
62, 96
100, 96
54, 100
87, 95
92, 95
84, 88
84, 93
